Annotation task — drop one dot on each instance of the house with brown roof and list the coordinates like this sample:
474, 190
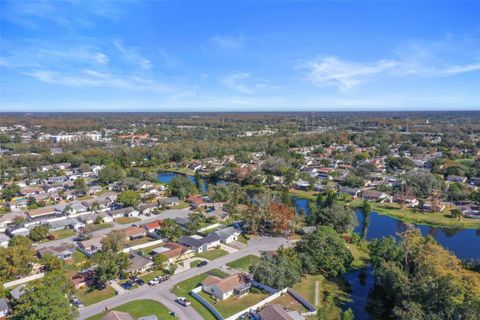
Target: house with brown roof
236, 284
273, 312
174, 252
63, 251
92, 245
42, 212
132, 233
152, 226
117, 315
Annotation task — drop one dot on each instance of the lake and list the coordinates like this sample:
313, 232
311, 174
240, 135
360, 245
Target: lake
167, 176
464, 243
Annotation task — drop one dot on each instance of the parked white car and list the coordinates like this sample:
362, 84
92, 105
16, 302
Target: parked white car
183, 301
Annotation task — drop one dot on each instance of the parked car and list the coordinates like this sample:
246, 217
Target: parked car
77, 303
153, 282
202, 264
126, 285
139, 281
183, 301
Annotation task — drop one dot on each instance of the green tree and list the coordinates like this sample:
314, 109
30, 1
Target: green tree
324, 251
170, 229
339, 217
181, 186
278, 270
16, 260
46, 299
80, 185
39, 232
160, 261
52, 263
11, 191
111, 174
128, 198
348, 315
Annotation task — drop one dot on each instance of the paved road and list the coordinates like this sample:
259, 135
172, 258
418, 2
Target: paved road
172, 213
162, 292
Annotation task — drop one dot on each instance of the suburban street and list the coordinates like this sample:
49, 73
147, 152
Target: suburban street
162, 292
171, 213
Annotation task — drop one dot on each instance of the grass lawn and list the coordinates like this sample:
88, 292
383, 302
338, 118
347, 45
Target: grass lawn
90, 296
149, 276
181, 205
77, 263
183, 289
212, 254
289, 302
195, 263
360, 256
126, 220
136, 242
331, 294
233, 305
309, 195
243, 239
100, 226
243, 263
141, 308
62, 234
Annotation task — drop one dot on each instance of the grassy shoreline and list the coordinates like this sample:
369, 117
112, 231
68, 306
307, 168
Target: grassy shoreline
434, 219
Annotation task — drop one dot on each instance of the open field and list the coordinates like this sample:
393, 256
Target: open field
141, 308
90, 296
212, 254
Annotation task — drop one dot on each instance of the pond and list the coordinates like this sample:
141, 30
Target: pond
167, 176
464, 243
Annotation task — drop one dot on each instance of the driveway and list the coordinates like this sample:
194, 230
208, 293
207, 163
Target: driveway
162, 292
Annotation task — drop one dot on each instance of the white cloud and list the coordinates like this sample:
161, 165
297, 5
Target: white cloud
243, 82
330, 70
93, 78
228, 42
132, 55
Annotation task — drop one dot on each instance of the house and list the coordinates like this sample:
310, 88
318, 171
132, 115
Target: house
92, 245
195, 166
63, 251
18, 203
124, 212
273, 312
132, 233
42, 212
9, 218
169, 202
30, 191
73, 223
228, 235
82, 279
138, 263
146, 208
452, 178
236, 284
94, 190
4, 240
200, 244
374, 195
17, 292
409, 201
117, 315
144, 185
4, 308
351, 191
196, 201
74, 207
302, 185
434, 206
18, 232
174, 252
151, 227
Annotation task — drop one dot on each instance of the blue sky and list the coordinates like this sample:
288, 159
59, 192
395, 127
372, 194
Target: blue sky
239, 56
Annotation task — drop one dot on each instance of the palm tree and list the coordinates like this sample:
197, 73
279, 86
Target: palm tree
68, 209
